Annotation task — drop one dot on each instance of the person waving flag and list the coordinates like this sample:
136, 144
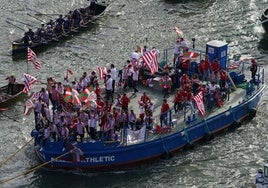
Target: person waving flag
33, 59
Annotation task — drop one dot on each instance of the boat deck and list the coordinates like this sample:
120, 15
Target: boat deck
179, 119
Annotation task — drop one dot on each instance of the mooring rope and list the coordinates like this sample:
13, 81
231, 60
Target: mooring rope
7, 159
33, 169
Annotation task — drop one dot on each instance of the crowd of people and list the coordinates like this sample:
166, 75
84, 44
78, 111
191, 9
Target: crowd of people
110, 112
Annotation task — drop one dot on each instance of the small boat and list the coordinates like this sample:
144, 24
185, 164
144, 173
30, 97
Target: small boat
151, 141
264, 20
261, 178
6, 99
19, 48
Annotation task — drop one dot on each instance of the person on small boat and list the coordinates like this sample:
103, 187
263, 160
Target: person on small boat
76, 18
41, 33
27, 39
58, 29
31, 34
67, 24
92, 7
49, 32
259, 179
11, 83
253, 69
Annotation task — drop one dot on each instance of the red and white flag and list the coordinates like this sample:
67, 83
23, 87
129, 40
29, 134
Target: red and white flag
102, 72
199, 101
150, 60
28, 82
32, 58
236, 65
29, 104
69, 71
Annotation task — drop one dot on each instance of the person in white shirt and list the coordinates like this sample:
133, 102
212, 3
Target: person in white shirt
135, 78
109, 87
176, 51
113, 76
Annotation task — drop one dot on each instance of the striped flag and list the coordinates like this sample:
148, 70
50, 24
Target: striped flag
150, 60
102, 72
32, 58
28, 82
29, 104
199, 101
236, 65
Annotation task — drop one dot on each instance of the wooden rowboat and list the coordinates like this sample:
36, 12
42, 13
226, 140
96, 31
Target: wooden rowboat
19, 48
7, 99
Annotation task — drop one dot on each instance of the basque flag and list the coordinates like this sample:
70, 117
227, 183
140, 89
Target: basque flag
32, 58
28, 82
199, 101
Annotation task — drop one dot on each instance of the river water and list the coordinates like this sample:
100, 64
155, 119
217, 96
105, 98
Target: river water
230, 160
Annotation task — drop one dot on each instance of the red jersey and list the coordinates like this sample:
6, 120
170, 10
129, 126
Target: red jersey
100, 105
178, 97
165, 107
215, 66
223, 75
125, 101
145, 99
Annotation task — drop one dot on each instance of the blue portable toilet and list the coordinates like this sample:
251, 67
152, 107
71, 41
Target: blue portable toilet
217, 49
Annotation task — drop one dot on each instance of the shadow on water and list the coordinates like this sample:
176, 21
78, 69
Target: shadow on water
263, 44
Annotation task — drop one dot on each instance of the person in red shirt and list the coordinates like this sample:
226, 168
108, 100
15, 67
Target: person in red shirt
145, 100
100, 105
206, 69
97, 90
125, 102
223, 79
164, 112
178, 101
215, 68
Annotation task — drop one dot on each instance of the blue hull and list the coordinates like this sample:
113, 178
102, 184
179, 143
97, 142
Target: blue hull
99, 156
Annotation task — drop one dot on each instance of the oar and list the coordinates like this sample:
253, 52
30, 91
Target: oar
264, 21
11, 118
11, 156
20, 22
36, 18
39, 13
15, 25
3, 109
107, 26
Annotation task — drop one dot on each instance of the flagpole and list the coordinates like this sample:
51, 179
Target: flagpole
27, 67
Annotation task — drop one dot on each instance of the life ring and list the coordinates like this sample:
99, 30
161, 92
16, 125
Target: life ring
208, 136
252, 113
